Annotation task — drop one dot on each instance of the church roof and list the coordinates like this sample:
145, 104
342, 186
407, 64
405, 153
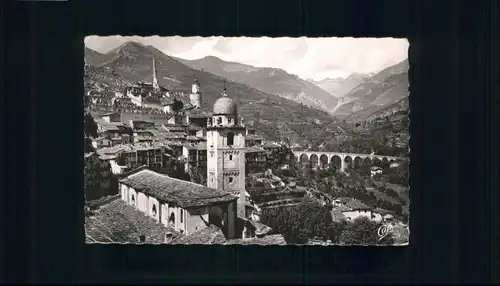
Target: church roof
183, 193
225, 105
208, 235
118, 222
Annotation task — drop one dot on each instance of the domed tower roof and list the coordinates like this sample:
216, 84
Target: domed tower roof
225, 105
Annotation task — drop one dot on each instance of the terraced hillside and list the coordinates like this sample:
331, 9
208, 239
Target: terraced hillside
271, 115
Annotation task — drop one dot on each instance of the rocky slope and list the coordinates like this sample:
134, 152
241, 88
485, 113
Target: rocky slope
378, 91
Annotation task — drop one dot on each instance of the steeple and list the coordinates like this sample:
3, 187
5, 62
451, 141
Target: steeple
224, 92
155, 80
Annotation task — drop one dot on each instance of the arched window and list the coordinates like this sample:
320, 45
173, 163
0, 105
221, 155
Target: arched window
182, 216
171, 220
219, 120
154, 210
230, 139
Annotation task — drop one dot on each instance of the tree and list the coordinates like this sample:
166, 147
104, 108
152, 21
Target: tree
362, 231
89, 125
92, 178
178, 105
299, 223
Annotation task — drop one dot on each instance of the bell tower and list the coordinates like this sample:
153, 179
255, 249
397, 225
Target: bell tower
156, 86
195, 96
226, 150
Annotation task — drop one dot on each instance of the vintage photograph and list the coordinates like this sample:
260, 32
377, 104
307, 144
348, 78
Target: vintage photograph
241, 140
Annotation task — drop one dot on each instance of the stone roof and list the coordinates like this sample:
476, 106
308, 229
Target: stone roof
174, 191
118, 222
208, 235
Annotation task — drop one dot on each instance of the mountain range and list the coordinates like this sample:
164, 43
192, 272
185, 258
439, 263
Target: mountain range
339, 87
268, 80
271, 115
376, 92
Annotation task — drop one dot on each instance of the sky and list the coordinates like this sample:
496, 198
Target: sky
308, 58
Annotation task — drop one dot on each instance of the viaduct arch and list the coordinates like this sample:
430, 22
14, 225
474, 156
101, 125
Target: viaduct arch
341, 160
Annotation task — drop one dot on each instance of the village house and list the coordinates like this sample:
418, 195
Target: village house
255, 160
252, 139
152, 154
375, 171
196, 156
352, 208
97, 186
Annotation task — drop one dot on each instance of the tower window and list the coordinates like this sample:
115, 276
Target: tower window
230, 157
230, 139
230, 179
154, 210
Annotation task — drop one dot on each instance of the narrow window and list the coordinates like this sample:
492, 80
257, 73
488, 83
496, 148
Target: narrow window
230, 179
230, 157
230, 139
154, 210
182, 216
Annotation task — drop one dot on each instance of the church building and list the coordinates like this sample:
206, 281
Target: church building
188, 207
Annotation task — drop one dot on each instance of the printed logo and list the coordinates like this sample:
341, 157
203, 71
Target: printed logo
384, 231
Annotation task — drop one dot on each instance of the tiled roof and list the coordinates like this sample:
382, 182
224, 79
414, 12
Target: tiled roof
134, 147
185, 194
337, 215
254, 149
342, 208
194, 138
106, 157
166, 101
199, 146
354, 204
382, 211
270, 145
275, 239
260, 228
208, 235
118, 222
87, 155
197, 113
253, 137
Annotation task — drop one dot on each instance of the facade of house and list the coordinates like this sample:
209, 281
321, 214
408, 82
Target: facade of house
184, 206
97, 176
353, 209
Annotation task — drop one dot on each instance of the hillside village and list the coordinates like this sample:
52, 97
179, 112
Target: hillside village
206, 165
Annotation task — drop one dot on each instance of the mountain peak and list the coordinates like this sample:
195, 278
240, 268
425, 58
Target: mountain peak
127, 47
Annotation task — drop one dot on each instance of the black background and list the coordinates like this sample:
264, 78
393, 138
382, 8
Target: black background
453, 143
